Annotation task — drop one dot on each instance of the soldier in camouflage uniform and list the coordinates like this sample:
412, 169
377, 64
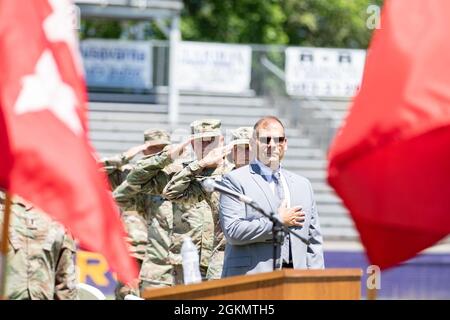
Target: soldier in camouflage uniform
142, 228
240, 156
141, 192
200, 220
117, 167
240, 140
40, 256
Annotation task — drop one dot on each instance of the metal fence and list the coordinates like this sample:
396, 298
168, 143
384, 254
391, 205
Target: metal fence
267, 81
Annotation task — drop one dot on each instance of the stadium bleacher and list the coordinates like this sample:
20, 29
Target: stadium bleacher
117, 126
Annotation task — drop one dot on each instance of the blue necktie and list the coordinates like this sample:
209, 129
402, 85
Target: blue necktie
279, 192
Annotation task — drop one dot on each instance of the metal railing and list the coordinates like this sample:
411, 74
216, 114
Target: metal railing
267, 81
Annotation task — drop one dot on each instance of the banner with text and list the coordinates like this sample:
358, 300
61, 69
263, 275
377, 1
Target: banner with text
213, 67
93, 269
117, 64
321, 72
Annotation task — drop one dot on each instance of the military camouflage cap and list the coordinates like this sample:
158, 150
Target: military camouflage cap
205, 128
156, 137
241, 135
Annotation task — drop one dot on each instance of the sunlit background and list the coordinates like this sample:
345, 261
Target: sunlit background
164, 64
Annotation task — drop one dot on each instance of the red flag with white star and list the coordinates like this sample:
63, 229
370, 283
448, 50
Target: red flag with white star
46, 157
390, 162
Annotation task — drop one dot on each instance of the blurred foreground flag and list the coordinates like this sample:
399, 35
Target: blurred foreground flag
390, 162
45, 154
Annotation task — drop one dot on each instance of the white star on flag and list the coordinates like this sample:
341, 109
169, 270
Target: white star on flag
44, 90
58, 28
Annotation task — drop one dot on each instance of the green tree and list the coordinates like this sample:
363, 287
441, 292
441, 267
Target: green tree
97, 28
236, 21
318, 23
321, 23
328, 23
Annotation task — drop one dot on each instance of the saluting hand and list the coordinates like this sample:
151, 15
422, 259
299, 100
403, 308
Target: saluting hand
215, 156
176, 150
130, 153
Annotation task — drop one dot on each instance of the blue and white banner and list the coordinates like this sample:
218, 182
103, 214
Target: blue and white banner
117, 64
213, 67
320, 72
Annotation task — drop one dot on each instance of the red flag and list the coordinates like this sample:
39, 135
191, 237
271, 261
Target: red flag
390, 162
45, 154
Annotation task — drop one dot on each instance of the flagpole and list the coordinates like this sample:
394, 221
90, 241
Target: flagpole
4, 247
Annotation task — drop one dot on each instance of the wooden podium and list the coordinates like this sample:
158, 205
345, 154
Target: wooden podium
288, 284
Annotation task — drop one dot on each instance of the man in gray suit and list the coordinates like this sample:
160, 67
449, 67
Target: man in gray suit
248, 233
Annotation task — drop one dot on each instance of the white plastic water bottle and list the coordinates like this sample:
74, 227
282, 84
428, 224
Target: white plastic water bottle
191, 265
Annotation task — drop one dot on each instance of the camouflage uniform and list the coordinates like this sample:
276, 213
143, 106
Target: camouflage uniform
116, 169
200, 220
141, 193
134, 215
40, 257
240, 136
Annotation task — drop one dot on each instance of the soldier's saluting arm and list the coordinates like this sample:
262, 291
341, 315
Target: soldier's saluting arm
148, 175
185, 184
141, 179
115, 166
181, 186
147, 168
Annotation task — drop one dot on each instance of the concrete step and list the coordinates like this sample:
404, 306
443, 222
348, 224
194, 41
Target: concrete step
124, 116
334, 115
327, 198
300, 152
298, 164
298, 142
321, 186
125, 127
127, 107
330, 105
331, 209
203, 111
132, 137
244, 102
337, 233
312, 175
342, 221
247, 100
111, 147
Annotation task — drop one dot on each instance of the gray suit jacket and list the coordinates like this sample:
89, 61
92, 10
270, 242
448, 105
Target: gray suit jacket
249, 233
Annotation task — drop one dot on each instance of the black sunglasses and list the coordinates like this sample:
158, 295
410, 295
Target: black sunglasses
267, 140
206, 139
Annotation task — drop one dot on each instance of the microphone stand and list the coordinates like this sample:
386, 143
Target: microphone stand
277, 231
277, 226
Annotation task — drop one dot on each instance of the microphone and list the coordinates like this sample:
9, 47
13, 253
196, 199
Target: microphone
210, 185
